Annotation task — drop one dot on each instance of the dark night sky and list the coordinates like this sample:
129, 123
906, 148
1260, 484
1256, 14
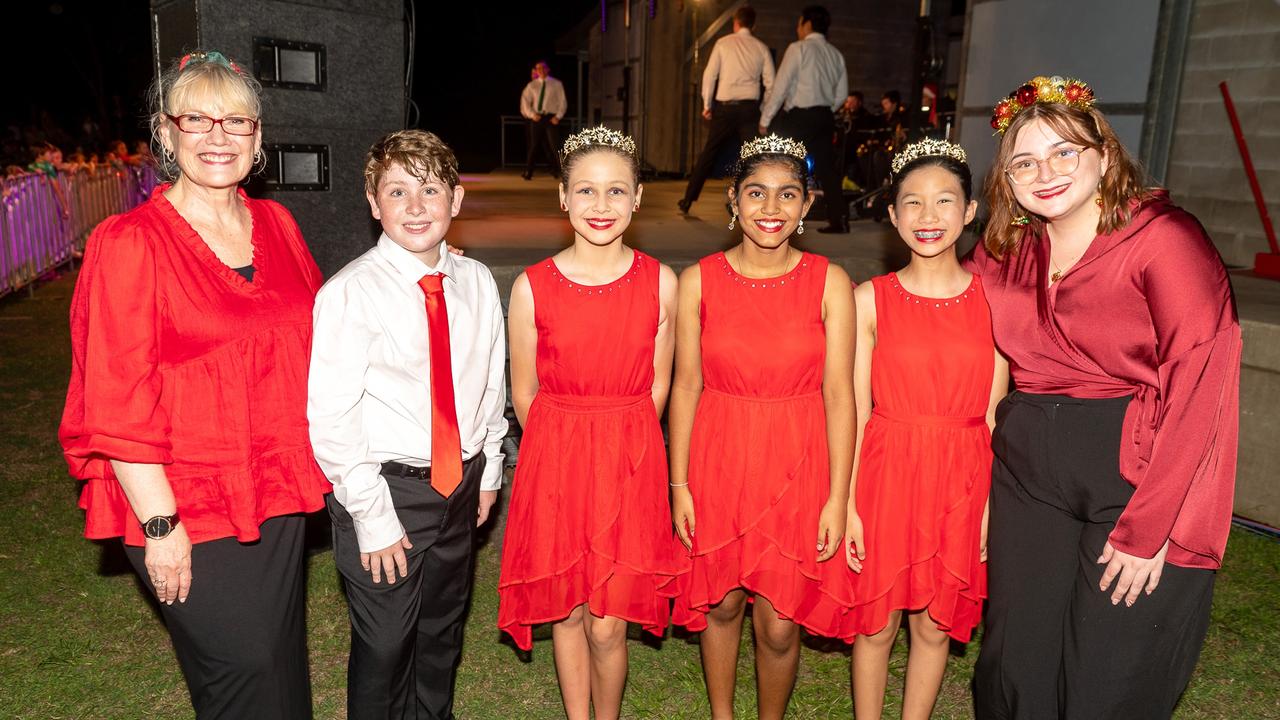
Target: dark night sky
72, 59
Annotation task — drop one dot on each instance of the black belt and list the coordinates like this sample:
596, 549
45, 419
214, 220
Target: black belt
737, 102
396, 469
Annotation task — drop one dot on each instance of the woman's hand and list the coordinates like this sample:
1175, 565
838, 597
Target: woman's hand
854, 549
1134, 573
388, 560
682, 515
168, 563
830, 529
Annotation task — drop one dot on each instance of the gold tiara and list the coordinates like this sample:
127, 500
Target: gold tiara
599, 135
1041, 89
927, 148
772, 144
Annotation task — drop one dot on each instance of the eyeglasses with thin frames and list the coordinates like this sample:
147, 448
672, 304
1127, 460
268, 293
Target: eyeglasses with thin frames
1062, 161
198, 124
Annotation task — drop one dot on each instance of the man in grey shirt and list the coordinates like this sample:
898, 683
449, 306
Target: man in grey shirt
812, 83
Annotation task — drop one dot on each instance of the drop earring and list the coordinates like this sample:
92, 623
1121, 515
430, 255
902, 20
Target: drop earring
733, 219
800, 230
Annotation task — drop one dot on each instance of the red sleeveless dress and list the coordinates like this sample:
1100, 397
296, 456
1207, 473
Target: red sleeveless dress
589, 520
758, 463
925, 468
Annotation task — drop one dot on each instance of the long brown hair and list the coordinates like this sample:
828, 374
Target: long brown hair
1123, 183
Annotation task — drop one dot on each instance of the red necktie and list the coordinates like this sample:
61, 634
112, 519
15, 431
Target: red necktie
446, 447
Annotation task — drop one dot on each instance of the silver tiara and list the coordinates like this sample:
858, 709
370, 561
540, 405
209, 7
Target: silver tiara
599, 135
772, 144
927, 148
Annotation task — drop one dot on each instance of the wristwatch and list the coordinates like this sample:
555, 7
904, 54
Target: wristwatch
159, 527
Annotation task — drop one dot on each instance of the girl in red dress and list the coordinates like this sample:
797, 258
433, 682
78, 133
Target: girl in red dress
761, 434
588, 544
927, 379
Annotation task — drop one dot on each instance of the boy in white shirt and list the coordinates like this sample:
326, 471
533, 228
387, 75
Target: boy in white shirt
406, 401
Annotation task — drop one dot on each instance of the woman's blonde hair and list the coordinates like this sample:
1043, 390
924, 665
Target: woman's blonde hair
194, 79
1123, 183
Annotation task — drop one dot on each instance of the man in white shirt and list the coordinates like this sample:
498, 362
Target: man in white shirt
739, 63
543, 104
410, 436
811, 85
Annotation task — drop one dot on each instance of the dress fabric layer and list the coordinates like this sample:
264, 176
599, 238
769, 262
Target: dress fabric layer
925, 468
589, 519
758, 462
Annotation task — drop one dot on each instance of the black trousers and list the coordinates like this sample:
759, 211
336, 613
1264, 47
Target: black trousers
542, 134
815, 127
241, 635
735, 122
406, 638
1054, 645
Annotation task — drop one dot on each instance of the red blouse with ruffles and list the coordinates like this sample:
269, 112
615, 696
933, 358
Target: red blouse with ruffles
178, 360
1147, 312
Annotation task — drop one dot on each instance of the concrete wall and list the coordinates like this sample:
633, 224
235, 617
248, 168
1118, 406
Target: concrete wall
1237, 41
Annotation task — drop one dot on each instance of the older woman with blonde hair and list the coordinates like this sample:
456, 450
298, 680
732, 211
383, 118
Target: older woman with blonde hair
186, 412
1115, 458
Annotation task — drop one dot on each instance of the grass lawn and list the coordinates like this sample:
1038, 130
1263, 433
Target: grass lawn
78, 639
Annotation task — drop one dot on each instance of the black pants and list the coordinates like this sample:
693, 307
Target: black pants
815, 127
735, 122
1054, 645
406, 638
542, 134
241, 636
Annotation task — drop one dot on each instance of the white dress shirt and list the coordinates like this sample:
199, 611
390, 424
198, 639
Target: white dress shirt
741, 63
369, 391
553, 102
812, 73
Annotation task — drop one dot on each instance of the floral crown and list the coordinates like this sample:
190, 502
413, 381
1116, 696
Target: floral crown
927, 148
1041, 89
598, 135
772, 144
212, 56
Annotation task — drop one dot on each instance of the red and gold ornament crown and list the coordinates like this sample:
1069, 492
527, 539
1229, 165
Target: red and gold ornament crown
1041, 89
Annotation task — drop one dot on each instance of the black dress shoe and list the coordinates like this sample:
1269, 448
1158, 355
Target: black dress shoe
526, 175
684, 205
834, 229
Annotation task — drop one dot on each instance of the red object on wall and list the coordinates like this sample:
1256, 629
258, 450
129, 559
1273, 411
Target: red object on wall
1265, 264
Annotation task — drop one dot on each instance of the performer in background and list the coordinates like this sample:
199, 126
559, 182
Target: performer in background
186, 413
543, 104
810, 86
738, 65
1116, 456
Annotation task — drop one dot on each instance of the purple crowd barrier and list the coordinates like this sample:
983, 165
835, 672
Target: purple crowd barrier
42, 228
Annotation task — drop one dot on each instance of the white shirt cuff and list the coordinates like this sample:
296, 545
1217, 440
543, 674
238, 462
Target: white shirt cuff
377, 532
492, 477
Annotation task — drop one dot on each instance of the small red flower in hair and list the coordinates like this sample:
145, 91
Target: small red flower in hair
1004, 109
1073, 92
1026, 95
995, 122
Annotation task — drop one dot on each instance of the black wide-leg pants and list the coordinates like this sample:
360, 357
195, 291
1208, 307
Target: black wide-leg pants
815, 127
241, 635
735, 121
1054, 646
406, 638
